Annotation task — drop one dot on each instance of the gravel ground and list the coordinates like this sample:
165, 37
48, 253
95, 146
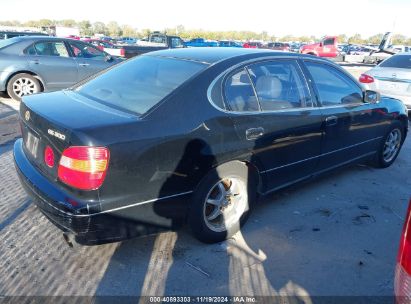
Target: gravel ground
334, 235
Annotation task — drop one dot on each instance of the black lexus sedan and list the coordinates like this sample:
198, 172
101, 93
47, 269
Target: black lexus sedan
195, 135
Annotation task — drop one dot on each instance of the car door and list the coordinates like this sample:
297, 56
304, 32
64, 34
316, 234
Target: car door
90, 60
276, 119
50, 60
352, 127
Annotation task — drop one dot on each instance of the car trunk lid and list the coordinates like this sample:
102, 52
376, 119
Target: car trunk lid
55, 120
393, 81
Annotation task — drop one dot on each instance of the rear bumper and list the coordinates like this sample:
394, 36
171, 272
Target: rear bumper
89, 229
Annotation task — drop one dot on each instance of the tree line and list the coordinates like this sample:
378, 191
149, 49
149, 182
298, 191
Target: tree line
114, 29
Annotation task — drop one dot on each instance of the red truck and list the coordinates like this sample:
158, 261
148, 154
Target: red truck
327, 47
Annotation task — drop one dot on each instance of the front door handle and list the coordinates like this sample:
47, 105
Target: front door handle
35, 61
331, 121
83, 64
254, 133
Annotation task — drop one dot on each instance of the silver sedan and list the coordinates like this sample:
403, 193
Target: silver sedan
29, 65
392, 78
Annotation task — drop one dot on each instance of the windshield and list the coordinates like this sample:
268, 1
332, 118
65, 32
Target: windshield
6, 42
141, 83
397, 61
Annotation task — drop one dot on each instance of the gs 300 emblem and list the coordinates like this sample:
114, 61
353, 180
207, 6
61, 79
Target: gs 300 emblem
27, 115
56, 134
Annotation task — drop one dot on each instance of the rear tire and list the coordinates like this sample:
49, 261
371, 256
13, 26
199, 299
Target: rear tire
222, 202
390, 145
21, 85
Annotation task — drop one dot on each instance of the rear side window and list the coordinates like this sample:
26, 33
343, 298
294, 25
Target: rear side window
141, 83
397, 61
279, 85
333, 86
51, 49
7, 42
239, 92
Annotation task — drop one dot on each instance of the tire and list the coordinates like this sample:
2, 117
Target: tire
22, 84
390, 146
232, 189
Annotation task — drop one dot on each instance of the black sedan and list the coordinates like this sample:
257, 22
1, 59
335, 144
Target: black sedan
195, 135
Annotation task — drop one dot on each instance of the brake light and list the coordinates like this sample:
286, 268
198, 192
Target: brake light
49, 157
364, 78
122, 52
404, 252
402, 281
84, 167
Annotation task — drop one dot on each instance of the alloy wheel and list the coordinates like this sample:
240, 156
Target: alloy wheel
225, 203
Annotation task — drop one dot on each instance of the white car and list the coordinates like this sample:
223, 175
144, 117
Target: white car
391, 78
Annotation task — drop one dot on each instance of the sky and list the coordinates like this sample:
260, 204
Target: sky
279, 18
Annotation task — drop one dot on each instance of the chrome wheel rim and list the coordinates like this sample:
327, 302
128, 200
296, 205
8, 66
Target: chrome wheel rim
225, 203
392, 145
24, 86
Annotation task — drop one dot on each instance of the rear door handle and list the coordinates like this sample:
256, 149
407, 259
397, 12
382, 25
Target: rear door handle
331, 121
254, 133
83, 64
35, 61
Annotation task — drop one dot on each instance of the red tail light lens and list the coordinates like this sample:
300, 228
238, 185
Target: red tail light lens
404, 252
84, 168
122, 52
49, 156
364, 78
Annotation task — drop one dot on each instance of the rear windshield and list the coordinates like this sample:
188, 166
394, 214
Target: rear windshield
397, 61
6, 42
139, 84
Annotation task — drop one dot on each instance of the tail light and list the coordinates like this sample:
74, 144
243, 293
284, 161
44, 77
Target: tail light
403, 271
84, 167
122, 52
364, 78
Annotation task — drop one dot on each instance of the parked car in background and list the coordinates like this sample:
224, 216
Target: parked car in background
327, 47
127, 40
201, 42
402, 281
195, 134
109, 48
229, 43
12, 34
392, 77
33, 64
154, 42
278, 46
75, 37
252, 45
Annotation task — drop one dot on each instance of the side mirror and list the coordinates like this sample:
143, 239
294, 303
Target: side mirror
371, 96
108, 58
321, 44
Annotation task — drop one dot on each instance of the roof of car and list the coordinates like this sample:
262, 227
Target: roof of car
213, 55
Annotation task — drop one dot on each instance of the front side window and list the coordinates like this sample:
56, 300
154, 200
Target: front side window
239, 92
329, 41
82, 50
333, 86
51, 48
279, 85
139, 84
